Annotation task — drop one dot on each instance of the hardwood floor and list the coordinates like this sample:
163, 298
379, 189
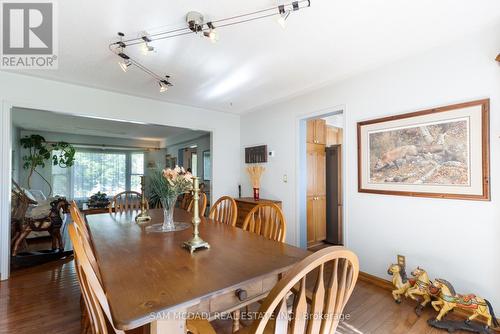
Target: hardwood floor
46, 299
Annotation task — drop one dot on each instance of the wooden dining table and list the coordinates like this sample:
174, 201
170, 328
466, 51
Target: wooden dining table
149, 278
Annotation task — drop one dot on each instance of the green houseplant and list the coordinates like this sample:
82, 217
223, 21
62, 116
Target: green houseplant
39, 152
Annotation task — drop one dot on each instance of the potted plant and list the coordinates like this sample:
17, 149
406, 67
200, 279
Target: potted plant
39, 152
98, 200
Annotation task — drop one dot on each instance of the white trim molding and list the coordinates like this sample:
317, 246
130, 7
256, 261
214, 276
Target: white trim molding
5, 185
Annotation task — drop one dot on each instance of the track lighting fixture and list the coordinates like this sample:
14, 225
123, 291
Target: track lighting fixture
211, 33
124, 65
283, 15
196, 24
164, 84
118, 48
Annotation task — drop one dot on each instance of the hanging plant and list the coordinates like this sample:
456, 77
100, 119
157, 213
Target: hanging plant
39, 152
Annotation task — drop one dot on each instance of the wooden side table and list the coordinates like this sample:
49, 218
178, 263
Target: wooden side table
245, 204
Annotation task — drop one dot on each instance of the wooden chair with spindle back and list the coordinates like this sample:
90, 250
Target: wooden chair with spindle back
224, 210
268, 220
125, 201
185, 201
89, 317
93, 293
94, 297
329, 295
202, 204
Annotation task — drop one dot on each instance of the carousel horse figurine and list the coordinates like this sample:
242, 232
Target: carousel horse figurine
421, 288
448, 299
400, 281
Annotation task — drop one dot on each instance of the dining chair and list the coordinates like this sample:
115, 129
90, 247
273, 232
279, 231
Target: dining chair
94, 297
268, 220
335, 272
125, 201
202, 204
224, 210
185, 201
88, 317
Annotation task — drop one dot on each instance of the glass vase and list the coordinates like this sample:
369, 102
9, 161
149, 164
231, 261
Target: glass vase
168, 213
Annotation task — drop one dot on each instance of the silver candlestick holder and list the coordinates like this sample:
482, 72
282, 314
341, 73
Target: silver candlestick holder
144, 215
196, 242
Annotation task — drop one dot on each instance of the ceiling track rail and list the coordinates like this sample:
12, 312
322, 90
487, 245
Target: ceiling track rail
205, 28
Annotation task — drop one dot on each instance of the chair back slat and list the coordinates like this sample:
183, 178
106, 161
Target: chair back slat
299, 310
202, 204
331, 297
318, 301
126, 201
224, 211
327, 305
266, 219
281, 326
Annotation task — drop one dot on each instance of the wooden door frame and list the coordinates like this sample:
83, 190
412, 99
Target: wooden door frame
300, 154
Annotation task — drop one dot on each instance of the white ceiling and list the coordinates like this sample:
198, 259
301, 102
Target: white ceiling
30, 119
258, 62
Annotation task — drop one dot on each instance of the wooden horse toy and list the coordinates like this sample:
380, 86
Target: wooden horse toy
400, 281
448, 299
420, 289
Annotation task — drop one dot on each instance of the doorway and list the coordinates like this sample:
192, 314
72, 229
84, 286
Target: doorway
324, 139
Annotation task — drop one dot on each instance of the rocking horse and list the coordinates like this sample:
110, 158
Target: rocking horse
421, 289
448, 299
28, 215
400, 281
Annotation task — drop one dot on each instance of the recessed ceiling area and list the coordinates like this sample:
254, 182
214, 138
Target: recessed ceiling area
259, 62
38, 120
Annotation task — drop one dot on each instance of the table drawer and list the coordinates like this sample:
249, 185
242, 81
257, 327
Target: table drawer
230, 299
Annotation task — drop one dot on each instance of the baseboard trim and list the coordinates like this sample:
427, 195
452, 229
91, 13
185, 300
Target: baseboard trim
387, 285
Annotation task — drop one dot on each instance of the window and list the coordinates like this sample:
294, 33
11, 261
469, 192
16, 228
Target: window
60, 181
194, 164
136, 171
110, 172
95, 171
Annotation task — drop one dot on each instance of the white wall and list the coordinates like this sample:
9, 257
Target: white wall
32, 92
456, 240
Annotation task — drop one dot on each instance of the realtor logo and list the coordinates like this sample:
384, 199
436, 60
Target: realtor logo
29, 39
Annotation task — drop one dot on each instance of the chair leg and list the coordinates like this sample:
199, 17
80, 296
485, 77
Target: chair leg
236, 320
85, 318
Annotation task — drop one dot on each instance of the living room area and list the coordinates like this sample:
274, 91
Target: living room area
93, 162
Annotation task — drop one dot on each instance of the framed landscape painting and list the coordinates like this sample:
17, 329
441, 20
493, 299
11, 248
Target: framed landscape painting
441, 152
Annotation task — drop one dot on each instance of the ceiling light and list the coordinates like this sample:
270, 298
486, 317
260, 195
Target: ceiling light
283, 15
282, 19
211, 33
124, 65
163, 87
146, 48
196, 24
164, 84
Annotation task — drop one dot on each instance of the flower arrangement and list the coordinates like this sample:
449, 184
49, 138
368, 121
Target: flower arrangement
255, 172
166, 186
